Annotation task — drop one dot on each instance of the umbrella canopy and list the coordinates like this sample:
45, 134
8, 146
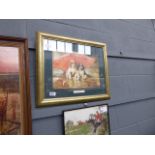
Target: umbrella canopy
64, 61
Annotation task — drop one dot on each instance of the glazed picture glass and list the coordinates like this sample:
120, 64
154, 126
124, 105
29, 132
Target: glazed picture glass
70, 70
14, 111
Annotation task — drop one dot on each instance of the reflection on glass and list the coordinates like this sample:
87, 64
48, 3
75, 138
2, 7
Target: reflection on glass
60, 46
81, 49
68, 48
52, 45
87, 50
45, 44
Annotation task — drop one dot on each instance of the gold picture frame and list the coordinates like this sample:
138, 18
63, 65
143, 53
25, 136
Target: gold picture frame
48, 55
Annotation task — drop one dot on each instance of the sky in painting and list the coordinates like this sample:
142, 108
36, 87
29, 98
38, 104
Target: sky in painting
83, 114
9, 62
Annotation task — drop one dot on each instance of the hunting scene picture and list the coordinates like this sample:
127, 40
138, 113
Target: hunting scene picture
75, 71
9, 92
88, 121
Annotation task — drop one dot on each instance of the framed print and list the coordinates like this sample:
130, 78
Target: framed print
87, 121
70, 70
15, 110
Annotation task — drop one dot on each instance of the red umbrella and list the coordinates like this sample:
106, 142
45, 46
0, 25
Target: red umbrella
64, 61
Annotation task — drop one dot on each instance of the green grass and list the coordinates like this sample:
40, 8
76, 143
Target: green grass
84, 129
87, 128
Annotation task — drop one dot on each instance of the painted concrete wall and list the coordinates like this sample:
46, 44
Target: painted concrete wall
131, 55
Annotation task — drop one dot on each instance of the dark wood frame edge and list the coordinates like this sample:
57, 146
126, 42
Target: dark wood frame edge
27, 105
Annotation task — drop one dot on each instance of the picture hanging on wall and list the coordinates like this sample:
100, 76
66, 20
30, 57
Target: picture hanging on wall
87, 121
70, 70
15, 110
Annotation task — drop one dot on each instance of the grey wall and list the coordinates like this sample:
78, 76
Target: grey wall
131, 53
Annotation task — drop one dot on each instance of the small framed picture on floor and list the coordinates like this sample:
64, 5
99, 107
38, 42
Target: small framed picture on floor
87, 121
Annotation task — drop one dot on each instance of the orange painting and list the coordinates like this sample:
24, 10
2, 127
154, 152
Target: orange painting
10, 116
75, 71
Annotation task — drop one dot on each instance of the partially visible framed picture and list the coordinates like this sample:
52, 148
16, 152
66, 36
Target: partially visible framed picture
15, 109
87, 121
70, 70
